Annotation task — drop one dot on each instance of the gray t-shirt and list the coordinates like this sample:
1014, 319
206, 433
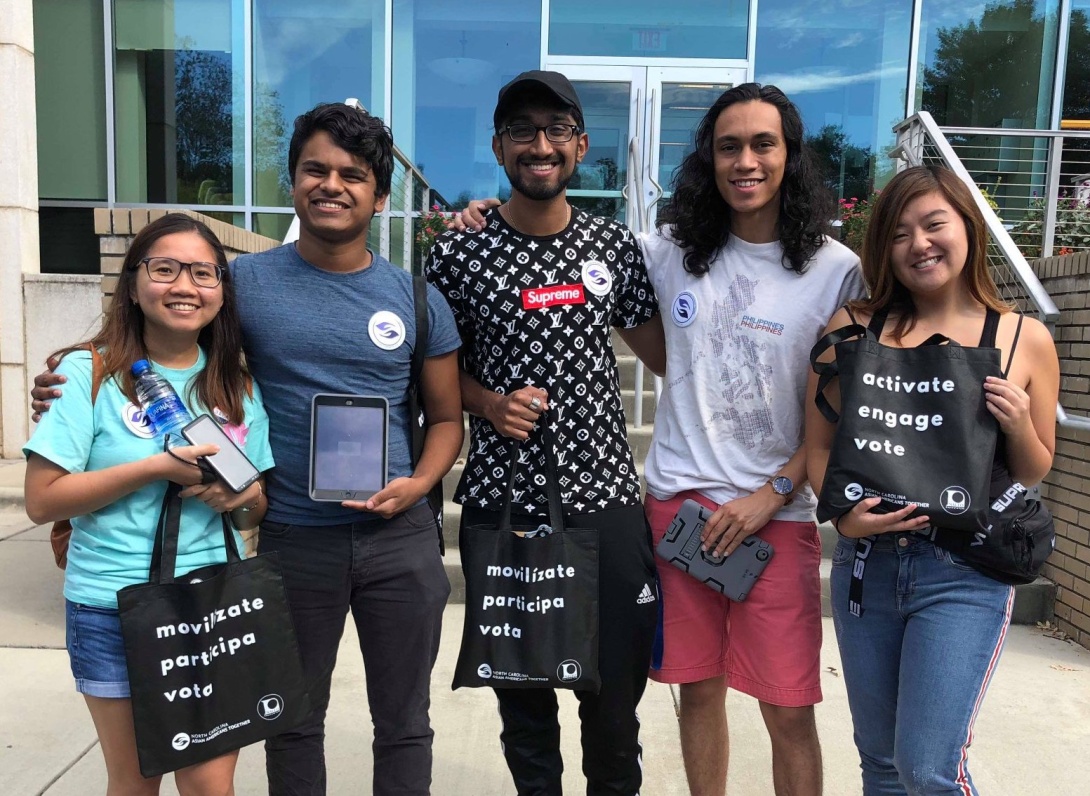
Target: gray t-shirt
308, 331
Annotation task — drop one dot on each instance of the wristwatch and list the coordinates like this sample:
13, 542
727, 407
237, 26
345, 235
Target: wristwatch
784, 487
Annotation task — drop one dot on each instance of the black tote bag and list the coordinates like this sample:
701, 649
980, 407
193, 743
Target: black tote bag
531, 616
913, 426
212, 656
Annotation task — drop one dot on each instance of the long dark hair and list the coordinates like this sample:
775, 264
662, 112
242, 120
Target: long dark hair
224, 380
702, 218
882, 285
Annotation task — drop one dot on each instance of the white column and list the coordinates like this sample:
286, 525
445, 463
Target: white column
18, 215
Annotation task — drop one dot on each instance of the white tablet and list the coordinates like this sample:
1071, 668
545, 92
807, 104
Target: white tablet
348, 439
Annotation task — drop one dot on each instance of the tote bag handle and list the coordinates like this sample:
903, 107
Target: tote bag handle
552, 481
827, 371
164, 555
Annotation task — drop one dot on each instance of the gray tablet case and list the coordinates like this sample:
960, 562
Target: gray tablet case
733, 575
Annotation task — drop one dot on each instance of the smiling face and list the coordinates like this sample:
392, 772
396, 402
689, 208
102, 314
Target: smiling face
178, 308
334, 192
930, 244
749, 154
540, 169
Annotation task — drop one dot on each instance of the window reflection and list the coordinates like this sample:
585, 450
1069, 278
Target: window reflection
844, 63
649, 28
1076, 98
449, 61
988, 65
306, 53
178, 101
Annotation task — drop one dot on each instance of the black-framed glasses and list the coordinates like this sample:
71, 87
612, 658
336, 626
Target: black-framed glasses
525, 133
167, 269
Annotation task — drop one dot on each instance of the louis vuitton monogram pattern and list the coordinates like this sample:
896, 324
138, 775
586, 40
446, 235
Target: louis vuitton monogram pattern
539, 311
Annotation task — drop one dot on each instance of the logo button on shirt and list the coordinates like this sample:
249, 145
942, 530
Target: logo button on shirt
386, 330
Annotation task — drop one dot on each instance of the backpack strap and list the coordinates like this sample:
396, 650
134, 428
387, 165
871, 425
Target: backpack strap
97, 374
420, 307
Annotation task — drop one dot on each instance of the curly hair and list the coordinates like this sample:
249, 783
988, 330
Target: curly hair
353, 130
701, 217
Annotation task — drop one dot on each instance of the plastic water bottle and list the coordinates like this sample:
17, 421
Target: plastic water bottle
162, 406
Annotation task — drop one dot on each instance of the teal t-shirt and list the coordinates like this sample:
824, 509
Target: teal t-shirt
111, 548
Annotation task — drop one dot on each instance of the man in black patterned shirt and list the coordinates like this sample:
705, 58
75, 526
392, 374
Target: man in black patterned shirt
536, 295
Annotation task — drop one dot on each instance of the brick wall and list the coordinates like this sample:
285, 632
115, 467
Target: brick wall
1067, 487
116, 229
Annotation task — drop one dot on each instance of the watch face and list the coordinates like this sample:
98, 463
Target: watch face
782, 485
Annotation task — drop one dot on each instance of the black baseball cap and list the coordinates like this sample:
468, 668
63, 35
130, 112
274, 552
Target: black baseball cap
554, 82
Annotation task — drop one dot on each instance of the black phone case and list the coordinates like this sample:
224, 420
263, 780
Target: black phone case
733, 575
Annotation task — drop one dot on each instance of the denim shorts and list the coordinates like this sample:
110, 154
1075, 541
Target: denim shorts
97, 651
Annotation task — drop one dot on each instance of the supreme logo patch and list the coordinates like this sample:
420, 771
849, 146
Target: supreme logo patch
538, 298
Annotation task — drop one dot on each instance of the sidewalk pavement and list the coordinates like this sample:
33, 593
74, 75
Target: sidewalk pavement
1031, 738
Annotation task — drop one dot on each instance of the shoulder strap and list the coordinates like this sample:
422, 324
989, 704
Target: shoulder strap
878, 322
1014, 344
991, 326
420, 305
97, 368
851, 315
827, 371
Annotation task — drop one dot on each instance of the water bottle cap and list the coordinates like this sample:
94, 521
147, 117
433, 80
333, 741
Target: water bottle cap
140, 366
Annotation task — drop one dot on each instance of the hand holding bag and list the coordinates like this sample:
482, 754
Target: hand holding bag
212, 656
913, 427
531, 617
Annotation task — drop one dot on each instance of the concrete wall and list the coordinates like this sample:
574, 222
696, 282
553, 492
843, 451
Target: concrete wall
18, 213
60, 309
1067, 487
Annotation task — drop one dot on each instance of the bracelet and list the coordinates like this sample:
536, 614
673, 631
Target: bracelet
248, 509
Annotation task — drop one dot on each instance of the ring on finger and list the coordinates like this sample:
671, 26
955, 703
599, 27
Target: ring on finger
535, 403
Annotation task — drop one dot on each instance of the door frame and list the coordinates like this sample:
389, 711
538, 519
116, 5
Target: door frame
643, 190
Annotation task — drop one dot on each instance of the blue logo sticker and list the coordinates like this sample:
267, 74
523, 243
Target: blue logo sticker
684, 310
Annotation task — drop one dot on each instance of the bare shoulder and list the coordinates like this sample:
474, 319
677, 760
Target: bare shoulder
1034, 338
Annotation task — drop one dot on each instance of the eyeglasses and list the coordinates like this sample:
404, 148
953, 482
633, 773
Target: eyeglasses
167, 269
525, 133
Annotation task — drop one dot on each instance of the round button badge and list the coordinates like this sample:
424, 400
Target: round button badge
683, 310
386, 330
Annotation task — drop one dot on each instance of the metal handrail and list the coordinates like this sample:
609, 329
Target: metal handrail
920, 131
406, 179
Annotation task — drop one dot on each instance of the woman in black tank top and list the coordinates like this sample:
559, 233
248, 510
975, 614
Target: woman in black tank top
919, 651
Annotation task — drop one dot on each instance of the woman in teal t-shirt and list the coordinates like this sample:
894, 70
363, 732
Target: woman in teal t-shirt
95, 459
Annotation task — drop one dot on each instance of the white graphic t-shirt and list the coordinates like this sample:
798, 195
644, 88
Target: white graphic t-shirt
738, 342
538, 311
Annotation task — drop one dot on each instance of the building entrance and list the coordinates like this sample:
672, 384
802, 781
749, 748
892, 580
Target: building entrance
640, 121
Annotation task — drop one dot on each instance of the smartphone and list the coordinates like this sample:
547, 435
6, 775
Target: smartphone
733, 575
230, 464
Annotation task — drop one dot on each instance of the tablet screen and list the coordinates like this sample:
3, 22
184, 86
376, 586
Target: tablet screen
348, 456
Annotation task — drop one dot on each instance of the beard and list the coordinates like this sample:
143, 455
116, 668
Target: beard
537, 190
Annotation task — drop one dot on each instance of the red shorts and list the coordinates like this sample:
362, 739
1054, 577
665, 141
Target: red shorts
768, 646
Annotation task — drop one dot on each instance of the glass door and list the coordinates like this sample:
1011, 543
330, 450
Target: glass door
640, 121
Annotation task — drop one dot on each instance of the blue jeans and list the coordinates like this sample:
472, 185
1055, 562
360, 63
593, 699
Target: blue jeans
917, 660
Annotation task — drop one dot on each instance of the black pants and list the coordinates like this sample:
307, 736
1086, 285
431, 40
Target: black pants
627, 620
390, 575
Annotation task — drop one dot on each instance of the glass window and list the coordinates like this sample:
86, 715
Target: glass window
1077, 75
988, 65
449, 62
179, 101
272, 225
70, 87
306, 53
845, 64
649, 28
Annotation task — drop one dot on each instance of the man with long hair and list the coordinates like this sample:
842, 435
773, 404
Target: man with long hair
746, 276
